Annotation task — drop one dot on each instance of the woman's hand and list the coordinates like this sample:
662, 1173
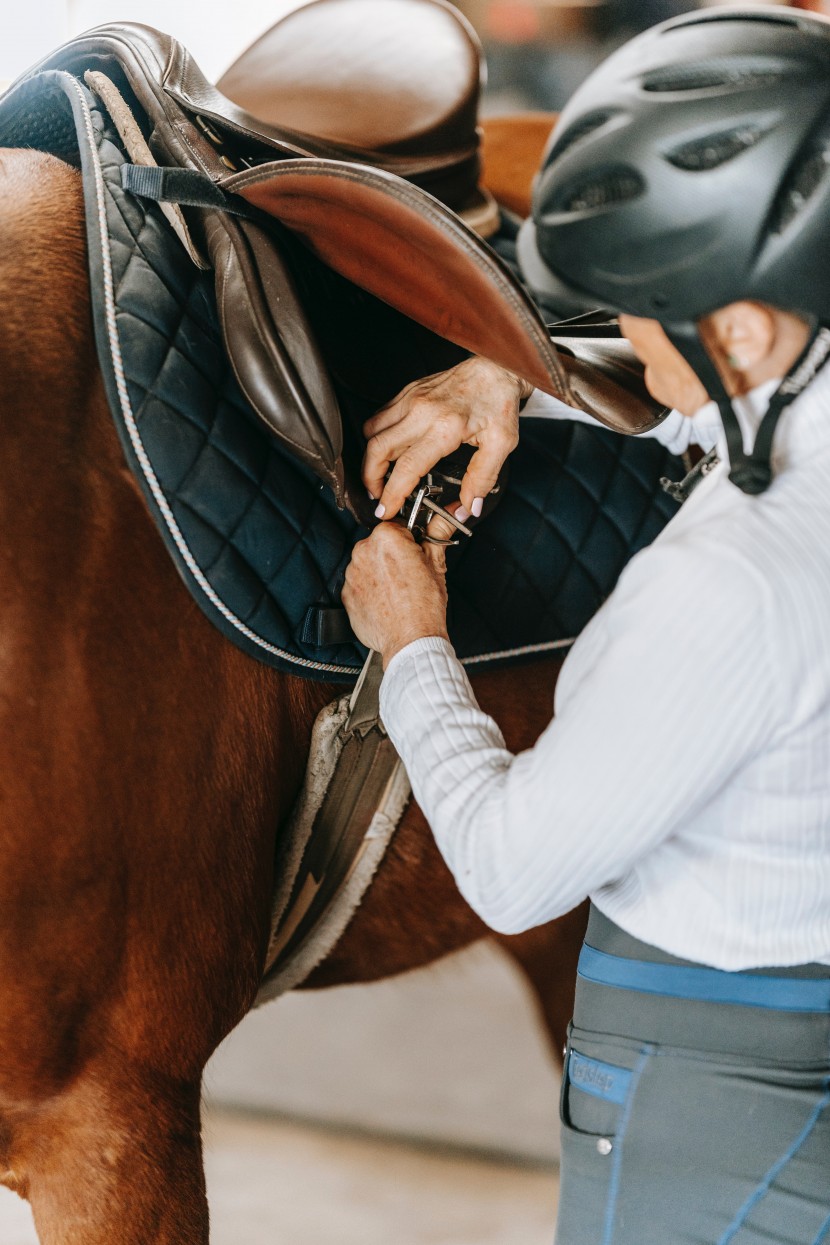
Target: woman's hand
475, 403
395, 590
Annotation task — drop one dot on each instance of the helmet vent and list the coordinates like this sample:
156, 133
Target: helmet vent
734, 74
702, 154
581, 129
604, 188
801, 185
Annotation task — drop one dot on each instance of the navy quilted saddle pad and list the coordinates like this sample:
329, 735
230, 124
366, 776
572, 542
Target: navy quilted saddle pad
255, 536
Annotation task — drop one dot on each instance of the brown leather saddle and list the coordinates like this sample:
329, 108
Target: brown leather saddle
224, 176
399, 88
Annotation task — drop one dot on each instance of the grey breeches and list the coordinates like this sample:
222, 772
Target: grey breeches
687, 1121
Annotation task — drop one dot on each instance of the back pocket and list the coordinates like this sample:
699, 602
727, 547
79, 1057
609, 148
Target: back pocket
593, 1094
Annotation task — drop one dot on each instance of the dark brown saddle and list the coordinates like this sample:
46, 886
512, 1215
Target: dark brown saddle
224, 176
395, 82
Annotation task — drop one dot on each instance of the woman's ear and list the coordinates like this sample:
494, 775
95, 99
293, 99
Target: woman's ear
751, 343
743, 334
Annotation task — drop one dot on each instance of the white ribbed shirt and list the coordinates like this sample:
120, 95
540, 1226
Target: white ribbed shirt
684, 782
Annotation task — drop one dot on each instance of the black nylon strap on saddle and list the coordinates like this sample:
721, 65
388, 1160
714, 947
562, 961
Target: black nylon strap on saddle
186, 187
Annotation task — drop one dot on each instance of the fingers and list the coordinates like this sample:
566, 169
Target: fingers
393, 412
391, 431
483, 469
377, 460
436, 555
475, 403
414, 445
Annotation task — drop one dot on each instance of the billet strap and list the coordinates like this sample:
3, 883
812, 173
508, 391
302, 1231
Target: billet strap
364, 706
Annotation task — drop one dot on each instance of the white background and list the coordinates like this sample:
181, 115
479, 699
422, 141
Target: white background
215, 32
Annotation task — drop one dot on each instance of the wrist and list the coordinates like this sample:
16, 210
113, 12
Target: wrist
404, 638
524, 389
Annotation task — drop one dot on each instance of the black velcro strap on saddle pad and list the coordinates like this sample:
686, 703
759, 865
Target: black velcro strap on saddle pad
183, 186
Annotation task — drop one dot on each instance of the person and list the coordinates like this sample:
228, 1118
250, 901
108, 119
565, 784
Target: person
684, 782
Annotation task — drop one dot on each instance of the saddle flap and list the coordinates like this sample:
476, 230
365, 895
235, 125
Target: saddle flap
271, 347
403, 246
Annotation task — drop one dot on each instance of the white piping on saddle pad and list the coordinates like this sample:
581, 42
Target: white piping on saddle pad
326, 745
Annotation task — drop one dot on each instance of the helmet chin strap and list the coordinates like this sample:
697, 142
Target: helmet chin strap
752, 472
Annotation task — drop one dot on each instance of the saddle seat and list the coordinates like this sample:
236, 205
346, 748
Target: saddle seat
396, 77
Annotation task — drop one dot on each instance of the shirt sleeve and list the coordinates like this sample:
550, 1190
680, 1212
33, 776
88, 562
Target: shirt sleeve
677, 432
659, 704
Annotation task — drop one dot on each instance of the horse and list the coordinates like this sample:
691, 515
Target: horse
147, 766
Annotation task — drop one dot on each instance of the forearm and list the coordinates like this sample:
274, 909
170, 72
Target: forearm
459, 767
509, 827
624, 762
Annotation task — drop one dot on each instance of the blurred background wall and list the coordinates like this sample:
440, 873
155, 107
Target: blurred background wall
538, 50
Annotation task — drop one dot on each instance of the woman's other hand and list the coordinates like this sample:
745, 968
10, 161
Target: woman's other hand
395, 589
475, 403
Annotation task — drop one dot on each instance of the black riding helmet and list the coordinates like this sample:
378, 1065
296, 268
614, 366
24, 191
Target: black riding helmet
692, 170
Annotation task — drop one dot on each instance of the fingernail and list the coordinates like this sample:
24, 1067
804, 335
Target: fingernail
381, 511
462, 514
370, 494
477, 507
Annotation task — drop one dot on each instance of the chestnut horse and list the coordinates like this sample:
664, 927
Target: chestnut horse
146, 766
